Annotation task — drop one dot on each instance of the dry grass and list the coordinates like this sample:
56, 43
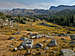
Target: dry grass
5, 33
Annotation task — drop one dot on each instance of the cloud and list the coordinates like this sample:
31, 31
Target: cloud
62, 2
40, 6
7, 4
11, 5
34, 4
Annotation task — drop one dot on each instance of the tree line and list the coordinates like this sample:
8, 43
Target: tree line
64, 18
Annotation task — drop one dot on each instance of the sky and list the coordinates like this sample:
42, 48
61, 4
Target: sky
34, 4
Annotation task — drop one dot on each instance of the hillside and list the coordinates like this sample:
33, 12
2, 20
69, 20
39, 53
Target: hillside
11, 38
34, 35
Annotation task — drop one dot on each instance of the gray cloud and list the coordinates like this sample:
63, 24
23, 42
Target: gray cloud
31, 4
21, 5
62, 2
11, 5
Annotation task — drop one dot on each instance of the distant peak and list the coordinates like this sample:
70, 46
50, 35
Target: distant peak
53, 7
62, 5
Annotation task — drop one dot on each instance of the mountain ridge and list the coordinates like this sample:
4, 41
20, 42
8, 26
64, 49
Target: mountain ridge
61, 7
52, 10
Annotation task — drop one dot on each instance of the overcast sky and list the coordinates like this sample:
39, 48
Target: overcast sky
34, 4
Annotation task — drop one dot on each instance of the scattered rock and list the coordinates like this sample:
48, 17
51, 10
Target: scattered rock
67, 52
15, 49
39, 45
52, 43
11, 38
